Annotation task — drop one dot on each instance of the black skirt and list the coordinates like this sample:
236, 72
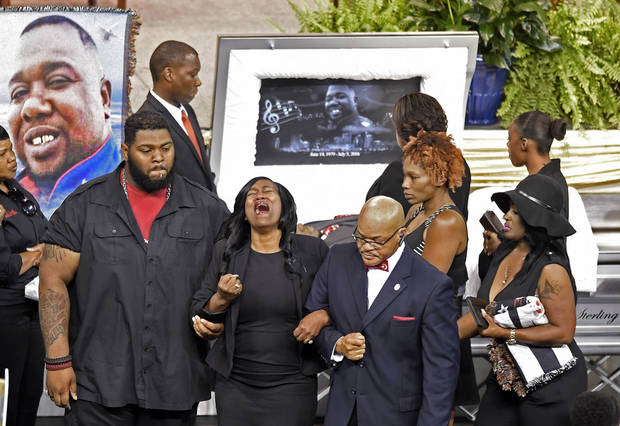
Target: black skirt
292, 403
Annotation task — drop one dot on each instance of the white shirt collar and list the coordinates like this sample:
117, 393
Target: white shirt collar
174, 110
378, 277
394, 258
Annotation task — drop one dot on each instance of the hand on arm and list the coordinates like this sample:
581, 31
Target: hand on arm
31, 257
58, 267
556, 294
311, 325
228, 289
206, 329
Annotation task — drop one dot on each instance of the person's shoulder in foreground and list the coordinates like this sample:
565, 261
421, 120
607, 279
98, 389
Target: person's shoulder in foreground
595, 409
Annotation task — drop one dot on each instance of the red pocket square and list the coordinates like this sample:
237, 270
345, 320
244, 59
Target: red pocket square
397, 318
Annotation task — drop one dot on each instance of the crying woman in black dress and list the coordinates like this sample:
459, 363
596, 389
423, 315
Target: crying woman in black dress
260, 276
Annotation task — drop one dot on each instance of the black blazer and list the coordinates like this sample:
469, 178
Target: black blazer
309, 253
186, 158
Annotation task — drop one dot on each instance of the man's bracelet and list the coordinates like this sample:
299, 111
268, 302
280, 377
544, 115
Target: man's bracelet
61, 363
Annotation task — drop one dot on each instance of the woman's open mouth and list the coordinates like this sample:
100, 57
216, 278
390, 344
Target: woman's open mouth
261, 207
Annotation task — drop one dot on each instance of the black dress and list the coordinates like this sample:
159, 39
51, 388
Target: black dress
266, 385
21, 342
548, 405
466, 388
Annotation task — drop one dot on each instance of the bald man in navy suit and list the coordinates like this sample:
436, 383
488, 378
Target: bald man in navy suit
393, 338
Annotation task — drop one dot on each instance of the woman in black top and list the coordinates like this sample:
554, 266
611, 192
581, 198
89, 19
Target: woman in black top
531, 262
436, 228
414, 112
22, 226
259, 278
530, 136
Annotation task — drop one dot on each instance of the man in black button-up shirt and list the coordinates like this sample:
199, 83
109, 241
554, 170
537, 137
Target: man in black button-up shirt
129, 281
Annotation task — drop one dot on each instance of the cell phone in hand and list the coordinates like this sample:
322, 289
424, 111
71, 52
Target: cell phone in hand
475, 305
491, 222
214, 317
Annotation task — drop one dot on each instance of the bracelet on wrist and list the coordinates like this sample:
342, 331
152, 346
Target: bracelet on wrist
55, 367
58, 360
61, 363
512, 339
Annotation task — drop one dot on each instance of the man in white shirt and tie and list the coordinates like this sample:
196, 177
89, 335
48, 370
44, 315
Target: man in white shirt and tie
174, 68
393, 338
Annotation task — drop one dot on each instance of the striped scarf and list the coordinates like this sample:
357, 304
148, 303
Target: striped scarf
535, 365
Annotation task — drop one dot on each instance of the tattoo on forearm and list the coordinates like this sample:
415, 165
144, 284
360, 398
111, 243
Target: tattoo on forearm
51, 251
548, 290
54, 311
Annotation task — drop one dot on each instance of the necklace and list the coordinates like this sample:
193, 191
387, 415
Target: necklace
507, 269
124, 185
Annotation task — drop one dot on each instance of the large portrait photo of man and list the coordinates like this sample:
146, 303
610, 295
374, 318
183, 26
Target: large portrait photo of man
62, 97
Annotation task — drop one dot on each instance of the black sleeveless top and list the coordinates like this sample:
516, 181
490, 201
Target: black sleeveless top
415, 240
525, 283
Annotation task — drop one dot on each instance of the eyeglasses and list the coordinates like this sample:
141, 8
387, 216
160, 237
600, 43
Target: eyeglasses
374, 244
28, 207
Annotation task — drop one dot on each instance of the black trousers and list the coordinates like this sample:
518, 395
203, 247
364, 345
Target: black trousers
86, 413
547, 406
22, 352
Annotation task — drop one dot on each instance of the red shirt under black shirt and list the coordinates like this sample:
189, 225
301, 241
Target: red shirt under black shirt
145, 206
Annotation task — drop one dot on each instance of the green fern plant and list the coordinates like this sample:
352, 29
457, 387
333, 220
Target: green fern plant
580, 83
500, 23
352, 16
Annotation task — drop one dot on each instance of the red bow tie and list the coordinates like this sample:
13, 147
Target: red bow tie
383, 266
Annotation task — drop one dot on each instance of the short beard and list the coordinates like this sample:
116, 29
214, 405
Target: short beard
145, 182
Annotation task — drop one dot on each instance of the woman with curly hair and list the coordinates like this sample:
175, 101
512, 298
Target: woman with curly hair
257, 282
411, 113
433, 166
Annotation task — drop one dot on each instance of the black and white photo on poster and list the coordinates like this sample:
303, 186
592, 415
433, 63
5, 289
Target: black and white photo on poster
334, 121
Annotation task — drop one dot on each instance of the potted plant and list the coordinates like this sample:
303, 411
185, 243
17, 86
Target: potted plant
581, 82
500, 24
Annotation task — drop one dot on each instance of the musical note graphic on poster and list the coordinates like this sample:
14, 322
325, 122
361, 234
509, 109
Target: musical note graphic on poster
279, 113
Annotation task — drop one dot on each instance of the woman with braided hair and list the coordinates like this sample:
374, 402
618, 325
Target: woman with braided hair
260, 275
530, 136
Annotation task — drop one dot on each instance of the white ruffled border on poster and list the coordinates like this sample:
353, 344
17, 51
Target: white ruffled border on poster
323, 191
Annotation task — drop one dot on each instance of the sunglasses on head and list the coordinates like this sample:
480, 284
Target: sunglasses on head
28, 206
